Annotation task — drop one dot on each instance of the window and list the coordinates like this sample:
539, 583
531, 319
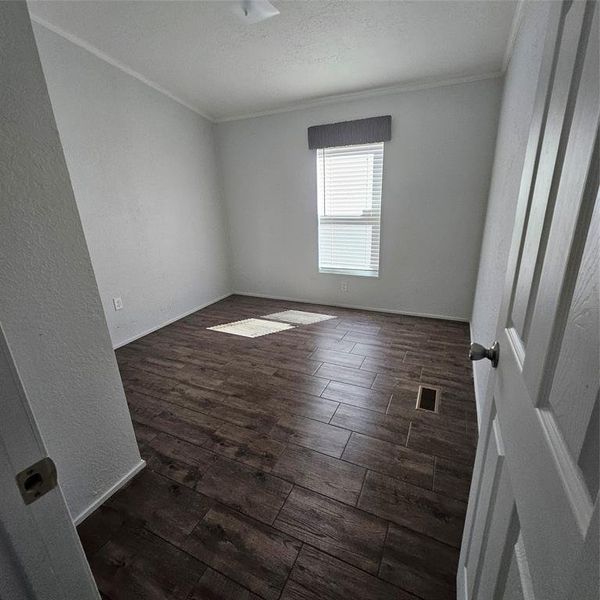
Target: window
349, 182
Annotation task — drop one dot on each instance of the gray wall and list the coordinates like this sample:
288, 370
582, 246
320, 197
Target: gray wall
435, 186
145, 179
49, 303
513, 130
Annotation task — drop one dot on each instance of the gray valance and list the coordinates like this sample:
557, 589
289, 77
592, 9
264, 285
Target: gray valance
349, 133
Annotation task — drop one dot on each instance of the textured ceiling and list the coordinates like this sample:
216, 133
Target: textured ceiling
204, 55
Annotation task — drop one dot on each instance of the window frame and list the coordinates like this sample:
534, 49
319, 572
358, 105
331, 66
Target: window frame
373, 273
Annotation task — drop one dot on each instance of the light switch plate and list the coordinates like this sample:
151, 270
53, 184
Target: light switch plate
118, 303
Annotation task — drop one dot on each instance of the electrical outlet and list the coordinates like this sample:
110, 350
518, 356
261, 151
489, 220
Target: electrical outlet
118, 303
344, 286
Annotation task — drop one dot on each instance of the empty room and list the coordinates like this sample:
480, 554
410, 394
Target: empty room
299, 300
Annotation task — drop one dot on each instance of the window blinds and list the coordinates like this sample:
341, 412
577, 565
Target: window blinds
349, 180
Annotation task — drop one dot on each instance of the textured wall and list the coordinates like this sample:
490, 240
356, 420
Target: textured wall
435, 185
144, 175
513, 130
49, 304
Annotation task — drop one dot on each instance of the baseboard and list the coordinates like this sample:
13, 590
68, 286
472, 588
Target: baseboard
355, 306
106, 495
137, 336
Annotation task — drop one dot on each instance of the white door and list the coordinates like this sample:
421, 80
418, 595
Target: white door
532, 523
40, 554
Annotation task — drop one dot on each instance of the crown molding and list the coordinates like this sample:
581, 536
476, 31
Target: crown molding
115, 63
412, 86
512, 36
383, 91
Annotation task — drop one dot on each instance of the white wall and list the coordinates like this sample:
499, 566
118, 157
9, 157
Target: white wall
49, 303
144, 174
436, 181
513, 130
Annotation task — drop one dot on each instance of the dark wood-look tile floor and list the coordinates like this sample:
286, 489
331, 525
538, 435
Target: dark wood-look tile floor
294, 465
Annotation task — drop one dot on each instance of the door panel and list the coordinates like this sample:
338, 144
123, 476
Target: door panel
498, 538
586, 579
588, 457
576, 372
542, 203
532, 512
515, 582
575, 198
493, 460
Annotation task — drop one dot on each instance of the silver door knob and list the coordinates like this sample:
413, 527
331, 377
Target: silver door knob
477, 352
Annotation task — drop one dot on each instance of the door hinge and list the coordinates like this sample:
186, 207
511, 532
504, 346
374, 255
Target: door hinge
34, 481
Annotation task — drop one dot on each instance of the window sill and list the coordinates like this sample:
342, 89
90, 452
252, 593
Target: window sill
350, 273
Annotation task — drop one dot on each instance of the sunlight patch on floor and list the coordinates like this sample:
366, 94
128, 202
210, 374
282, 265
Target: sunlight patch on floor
299, 317
251, 327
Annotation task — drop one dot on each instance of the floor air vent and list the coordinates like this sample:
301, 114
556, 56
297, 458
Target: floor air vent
428, 398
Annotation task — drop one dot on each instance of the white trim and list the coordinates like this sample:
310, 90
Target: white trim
115, 63
476, 387
84, 514
354, 306
512, 36
137, 336
413, 86
464, 588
